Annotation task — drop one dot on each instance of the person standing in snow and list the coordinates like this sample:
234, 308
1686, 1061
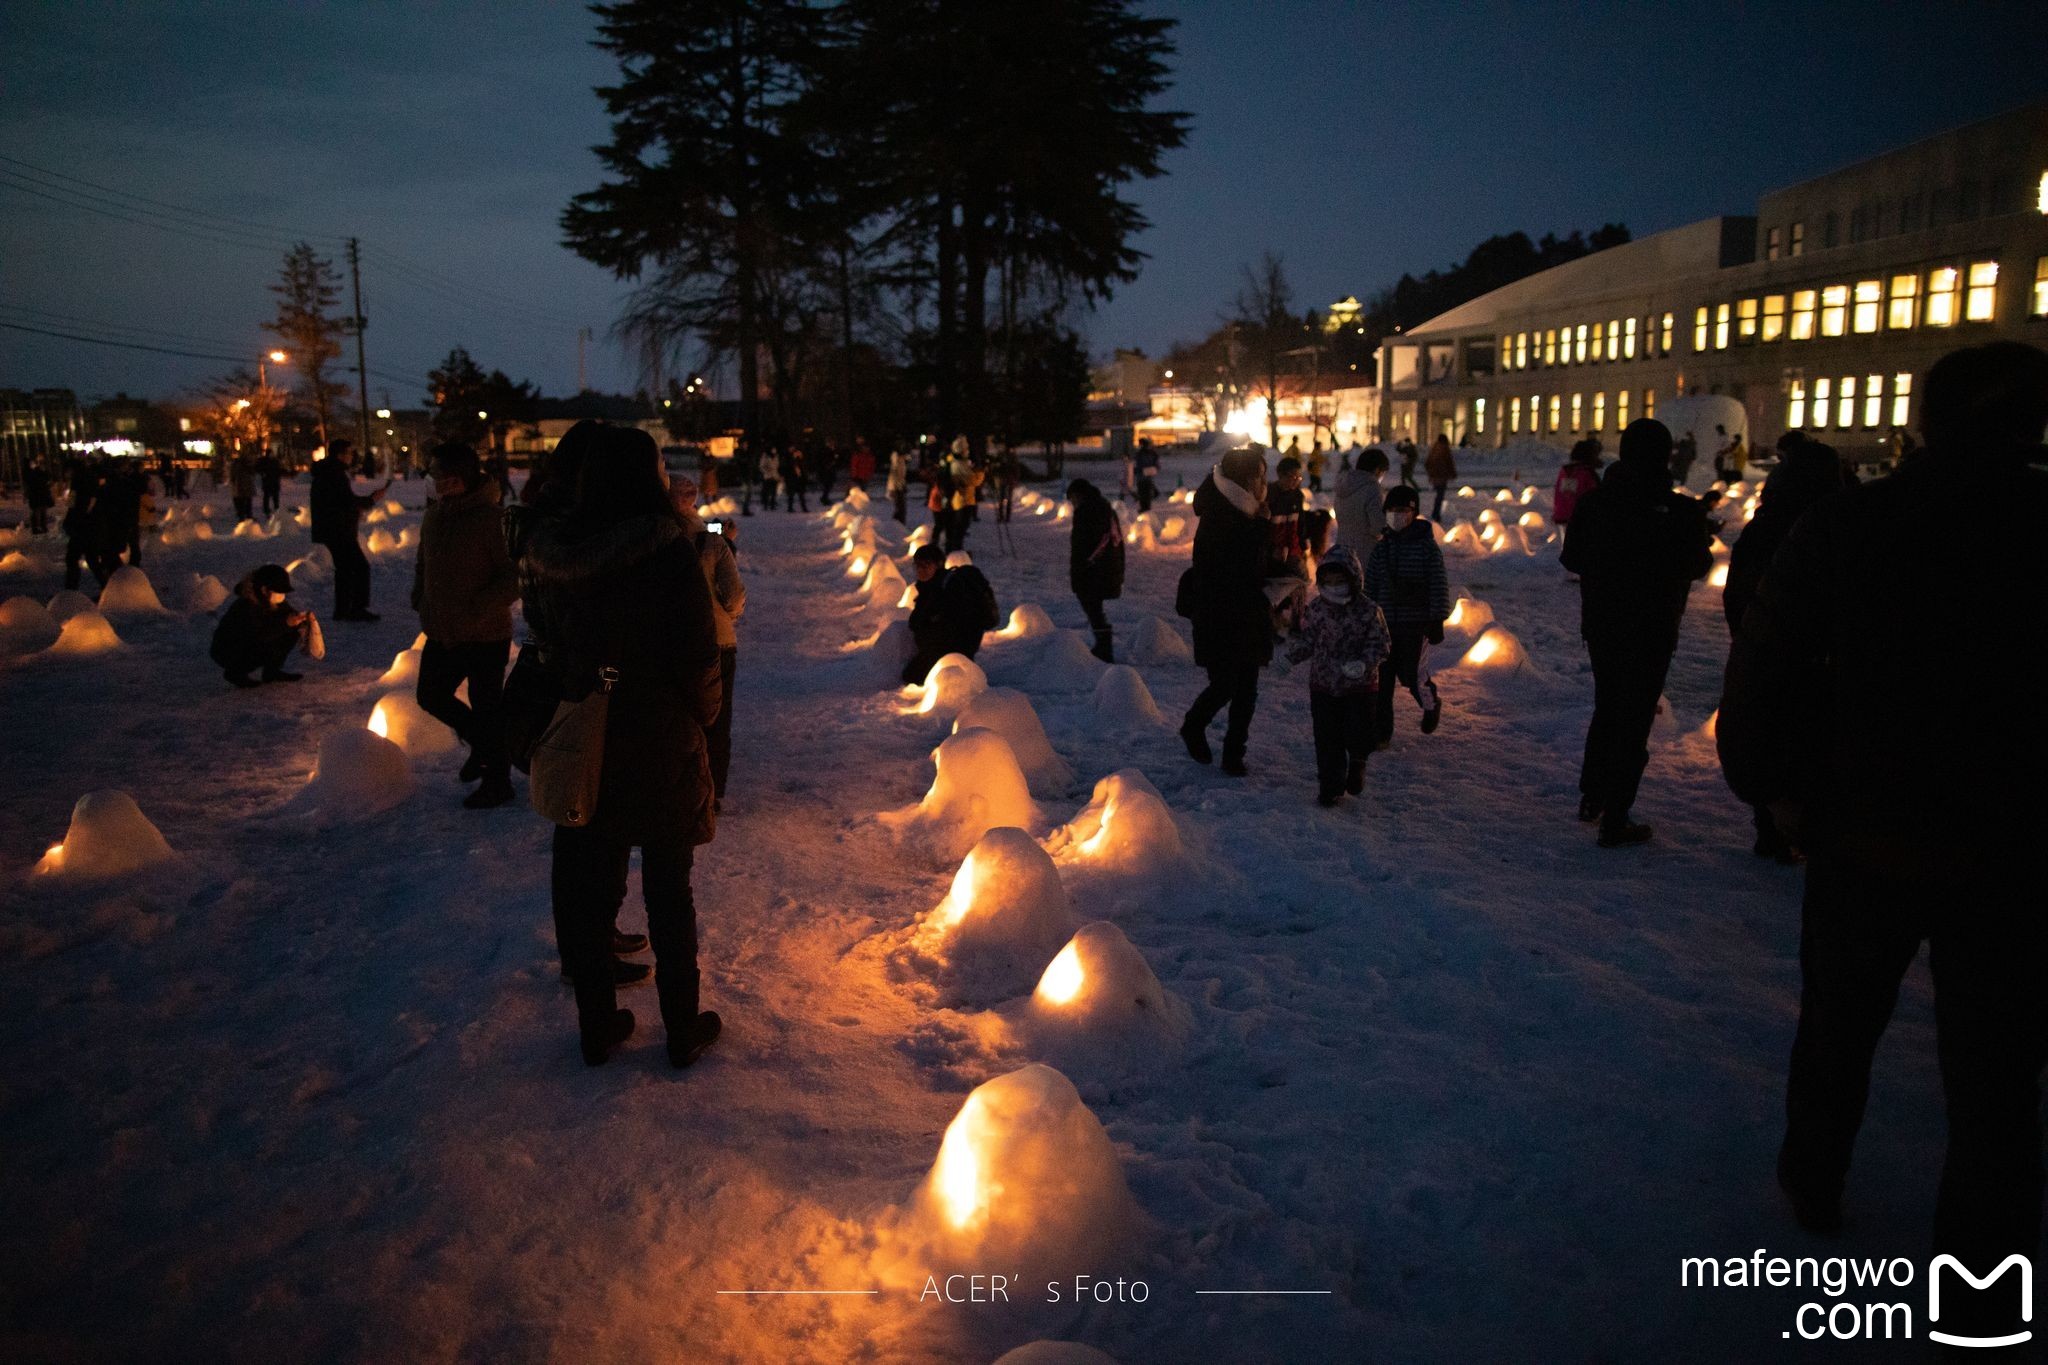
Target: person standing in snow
85, 529
242, 486
860, 466
1441, 468
1683, 456
771, 478
1579, 476
336, 509
463, 586
627, 607
1148, 473
36, 486
1095, 560
728, 603
260, 629
1637, 546
1405, 577
1344, 640
954, 608
1920, 815
270, 476
795, 480
1223, 594
1285, 556
1318, 461
898, 485
1361, 518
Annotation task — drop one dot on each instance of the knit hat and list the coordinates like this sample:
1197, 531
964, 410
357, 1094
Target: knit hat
272, 578
1401, 495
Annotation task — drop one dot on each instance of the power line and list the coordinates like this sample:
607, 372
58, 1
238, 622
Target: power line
177, 229
124, 345
46, 315
166, 204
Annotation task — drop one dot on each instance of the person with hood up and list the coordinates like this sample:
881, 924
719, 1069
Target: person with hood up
1361, 518
1223, 593
463, 586
260, 629
1441, 468
1637, 547
1920, 813
954, 608
628, 610
728, 603
336, 510
1579, 476
1095, 560
1343, 638
1405, 576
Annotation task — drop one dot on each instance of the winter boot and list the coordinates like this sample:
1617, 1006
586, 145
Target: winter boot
1434, 712
1589, 809
1814, 1210
495, 791
623, 942
601, 1037
1354, 777
279, 675
685, 1048
1326, 797
1198, 744
472, 768
1104, 649
1233, 763
1622, 832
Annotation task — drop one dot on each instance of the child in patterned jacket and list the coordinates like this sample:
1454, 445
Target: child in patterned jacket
1344, 639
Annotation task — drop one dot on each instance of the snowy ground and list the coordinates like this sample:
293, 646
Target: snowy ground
313, 1094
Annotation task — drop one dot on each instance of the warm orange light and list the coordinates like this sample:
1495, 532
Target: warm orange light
1718, 578
957, 1174
279, 357
1503, 496
960, 896
380, 724
1063, 977
53, 859
1486, 648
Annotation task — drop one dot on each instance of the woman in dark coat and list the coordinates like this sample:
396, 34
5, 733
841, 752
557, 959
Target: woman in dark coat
1095, 560
621, 590
336, 509
1227, 602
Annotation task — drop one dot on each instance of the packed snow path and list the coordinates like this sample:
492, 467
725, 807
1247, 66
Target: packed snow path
312, 1092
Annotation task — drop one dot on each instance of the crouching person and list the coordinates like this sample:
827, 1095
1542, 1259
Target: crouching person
1344, 639
260, 629
954, 607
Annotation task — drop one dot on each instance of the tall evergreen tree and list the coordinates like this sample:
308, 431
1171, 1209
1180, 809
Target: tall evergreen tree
461, 390
308, 287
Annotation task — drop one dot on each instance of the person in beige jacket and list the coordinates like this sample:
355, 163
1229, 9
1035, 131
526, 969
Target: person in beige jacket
464, 584
728, 603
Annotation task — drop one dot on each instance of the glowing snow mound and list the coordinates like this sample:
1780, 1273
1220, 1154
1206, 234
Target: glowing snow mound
322, 557
952, 682
398, 718
1125, 827
404, 670
1122, 699
68, 604
381, 542
1028, 621
979, 787
1100, 989
1001, 921
888, 652
1469, 617
1009, 713
1055, 1353
376, 516
249, 529
884, 581
1172, 529
1666, 727
1142, 536
920, 536
86, 634
408, 538
959, 559
25, 626
202, 531
206, 593
1530, 521
109, 837
307, 570
1156, 642
357, 774
1463, 539
1495, 651
129, 591
393, 506
1026, 1176
1065, 665
16, 562
856, 498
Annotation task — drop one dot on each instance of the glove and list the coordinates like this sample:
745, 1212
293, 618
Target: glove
1436, 634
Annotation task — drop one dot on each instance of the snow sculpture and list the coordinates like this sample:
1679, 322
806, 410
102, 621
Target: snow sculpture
1496, 650
1463, 539
16, 562
307, 569
959, 559
376, 516
404, 670
1123, 700
1469, 617
1028, 621
321, 556
358, 773
1009, 713
68, 604
919, 536
202, 531
398, 718
86, 634
129, 590
978, 788
1065, 665
1055, 1353
25, 626
206, 593
381, 542
394, 507
1099, 990
888, 651
109, 837
884, 582
1002, 920
1026, 1177
249, 529
953, 681
1125, 827
1156, 642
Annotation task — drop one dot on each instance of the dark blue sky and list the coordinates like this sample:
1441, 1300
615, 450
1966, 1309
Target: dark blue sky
1358, 141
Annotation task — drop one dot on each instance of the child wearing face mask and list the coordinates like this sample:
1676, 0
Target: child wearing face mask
1405, 575
1344, 639
260, 629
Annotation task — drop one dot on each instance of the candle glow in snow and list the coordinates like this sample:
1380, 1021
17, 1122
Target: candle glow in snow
398, 718
1028, 621
1009, 713
129, 591
953, 681
1005, 914
358, 773
1098, 992
83, 635
1125, 827
109, 836
1123, 700
1496, 649
978, 787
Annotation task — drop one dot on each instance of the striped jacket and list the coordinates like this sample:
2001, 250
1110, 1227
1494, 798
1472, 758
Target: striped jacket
1405, 575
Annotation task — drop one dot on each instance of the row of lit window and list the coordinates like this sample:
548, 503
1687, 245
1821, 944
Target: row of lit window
1941, 298
1574, 407
1836, 401
1589, 341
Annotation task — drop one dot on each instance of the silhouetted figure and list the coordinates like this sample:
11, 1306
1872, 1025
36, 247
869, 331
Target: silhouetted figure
1095, 561
260, 629
1224, 595
336, 510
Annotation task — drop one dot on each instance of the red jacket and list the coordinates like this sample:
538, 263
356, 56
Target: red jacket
1574, 481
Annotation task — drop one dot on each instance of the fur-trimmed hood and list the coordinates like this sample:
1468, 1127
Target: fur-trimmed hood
569, 555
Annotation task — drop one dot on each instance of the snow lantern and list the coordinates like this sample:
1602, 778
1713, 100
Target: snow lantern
202, 531
978, 787
1528, 494
1717, 577
884, 581
1665, 726
888, 650
1065, 512
1463, 539
1468, 491
249, 529
1496, 650
69, 603
398, 718
856, 498
1001, 921
206, 593
952, 682
306, 570
1488, 517
83, 635
1469, 617
1055, 1353
857, 565
205, 509
321, 557
1142, 536
15, 562
1173, 528
1122, 700
393, 507
1099, 989
920, 536
1028, 621
1503, 496
419, 641
909, 598
1125, 827
404, 670
1530, 521
109, 836
1710, 729
376, 516
358, 773
1027, 1178
381, 542
408, 537
1065, 665
1008, 712
1156, 641
128, 590
959, 559
25, 626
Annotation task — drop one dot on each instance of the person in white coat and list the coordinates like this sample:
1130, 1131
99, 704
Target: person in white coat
1361, 515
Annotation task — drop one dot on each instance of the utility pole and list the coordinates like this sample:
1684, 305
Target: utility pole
582, 380
355, 274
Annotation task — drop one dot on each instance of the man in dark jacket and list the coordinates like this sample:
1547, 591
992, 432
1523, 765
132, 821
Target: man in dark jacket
85, 529
36, 484
335, 509
1920, 811
1225, 597
463, 586
270, 475
953, 609
1405, 576
1637, 547
1095, 560
260, 629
